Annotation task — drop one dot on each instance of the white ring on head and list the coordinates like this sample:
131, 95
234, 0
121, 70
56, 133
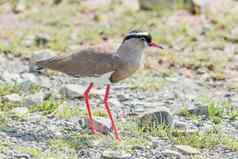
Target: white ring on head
139, 34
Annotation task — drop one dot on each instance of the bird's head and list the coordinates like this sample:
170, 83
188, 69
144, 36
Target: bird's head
144, 37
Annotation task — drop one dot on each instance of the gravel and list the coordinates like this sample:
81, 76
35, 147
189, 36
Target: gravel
24, 128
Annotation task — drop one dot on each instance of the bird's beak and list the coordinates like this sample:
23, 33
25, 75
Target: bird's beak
152, 44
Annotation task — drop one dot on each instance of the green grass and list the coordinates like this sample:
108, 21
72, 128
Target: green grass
47, 107
53, 152
217, 111
209, 140
6, 89
7, 106
9, 89
65, 111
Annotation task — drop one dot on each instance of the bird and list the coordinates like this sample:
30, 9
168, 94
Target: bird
94, 63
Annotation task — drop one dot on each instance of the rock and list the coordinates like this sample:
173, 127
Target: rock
28, 41
108, 154
95, 4
10, 77
12, 98
103, 125
45, 82
198, 109
195, 6
18, 6
157, 4
114, 102
199, 6
72, 91
34, 99
155, 118
22, 156
132, 5
123, 97
30, 77
171, 154
180, 125
25, 85
187, 150
42, 55
56, 2
20, 111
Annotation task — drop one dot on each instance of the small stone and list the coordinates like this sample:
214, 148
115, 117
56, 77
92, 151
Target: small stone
132, 5
108, 154
20, 111
172, 154
34, 99
72, 91
139, 108
28, 41
25, 85
103, 125
155, 118
45, 82
180, 125
19, 6
12, 98
199, 6
96, 4
198, 109
9, 77
30, 77
187, 150
151, 4
22, 156
56, 2
123, 97
115, 103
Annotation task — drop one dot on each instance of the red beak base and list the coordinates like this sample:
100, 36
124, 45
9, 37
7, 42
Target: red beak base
152, 44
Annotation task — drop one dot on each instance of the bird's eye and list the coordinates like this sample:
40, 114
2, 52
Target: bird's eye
143, 39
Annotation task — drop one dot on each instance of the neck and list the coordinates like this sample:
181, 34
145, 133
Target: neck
131, 50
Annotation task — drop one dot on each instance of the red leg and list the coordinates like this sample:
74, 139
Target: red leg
117, 135
90, 116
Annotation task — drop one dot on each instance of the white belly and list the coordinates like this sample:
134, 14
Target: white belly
100, 81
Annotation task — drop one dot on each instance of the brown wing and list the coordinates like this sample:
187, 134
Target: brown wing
123, 73
88, 62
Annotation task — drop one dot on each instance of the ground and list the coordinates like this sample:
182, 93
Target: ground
195, 77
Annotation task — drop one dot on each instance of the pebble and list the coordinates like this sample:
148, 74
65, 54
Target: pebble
103, 125
172, 154
30, 77
20, 111
12, 98
109, 154
34, 99
187, 150
9, 77
72, 91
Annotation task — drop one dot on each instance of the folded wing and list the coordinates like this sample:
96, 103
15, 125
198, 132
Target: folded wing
88, 62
